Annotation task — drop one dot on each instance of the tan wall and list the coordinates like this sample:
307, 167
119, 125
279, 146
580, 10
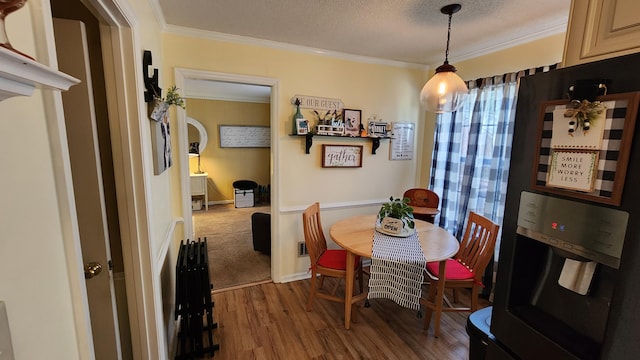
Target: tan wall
226, 165
388, 91
391, 92
540, 52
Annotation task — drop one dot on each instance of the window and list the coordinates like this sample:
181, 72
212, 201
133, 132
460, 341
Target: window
471, 154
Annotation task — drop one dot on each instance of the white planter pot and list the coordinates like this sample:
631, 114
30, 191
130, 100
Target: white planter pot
392, 225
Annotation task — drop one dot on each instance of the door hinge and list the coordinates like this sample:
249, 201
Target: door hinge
110, 265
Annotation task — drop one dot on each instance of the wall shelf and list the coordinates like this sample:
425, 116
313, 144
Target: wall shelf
20, 75
375, 141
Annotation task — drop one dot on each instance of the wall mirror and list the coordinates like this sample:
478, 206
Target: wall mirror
202, 136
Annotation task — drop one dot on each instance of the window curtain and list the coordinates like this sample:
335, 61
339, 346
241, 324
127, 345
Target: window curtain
472, 149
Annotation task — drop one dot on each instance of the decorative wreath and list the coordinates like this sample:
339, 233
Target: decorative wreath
583, 114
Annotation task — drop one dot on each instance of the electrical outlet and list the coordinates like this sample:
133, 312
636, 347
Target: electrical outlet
302, 249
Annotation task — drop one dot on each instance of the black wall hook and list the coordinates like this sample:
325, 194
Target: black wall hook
588, 89
150, 82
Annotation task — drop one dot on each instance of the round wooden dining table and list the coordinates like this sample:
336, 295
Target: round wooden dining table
355, 234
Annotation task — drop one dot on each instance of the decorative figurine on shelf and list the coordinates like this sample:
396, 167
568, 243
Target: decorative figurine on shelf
330, 123
377, 127
325, 119
6, 8
300, 124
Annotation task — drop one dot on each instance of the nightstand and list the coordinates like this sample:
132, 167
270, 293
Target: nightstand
199, 187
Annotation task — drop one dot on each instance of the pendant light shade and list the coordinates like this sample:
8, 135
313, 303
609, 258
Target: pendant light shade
445, 91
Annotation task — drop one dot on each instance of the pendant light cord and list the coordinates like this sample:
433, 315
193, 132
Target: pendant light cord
446, 54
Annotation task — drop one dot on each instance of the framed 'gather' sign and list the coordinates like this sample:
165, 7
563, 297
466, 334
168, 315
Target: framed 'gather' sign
341, 156
585, 159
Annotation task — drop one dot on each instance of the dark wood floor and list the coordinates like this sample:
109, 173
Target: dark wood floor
269, 321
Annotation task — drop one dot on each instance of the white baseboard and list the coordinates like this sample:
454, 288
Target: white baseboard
295, 277
220, 202
307, 275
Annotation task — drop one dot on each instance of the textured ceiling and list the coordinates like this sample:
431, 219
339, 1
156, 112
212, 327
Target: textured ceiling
412, 31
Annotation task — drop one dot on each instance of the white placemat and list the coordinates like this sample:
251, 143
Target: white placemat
397, 269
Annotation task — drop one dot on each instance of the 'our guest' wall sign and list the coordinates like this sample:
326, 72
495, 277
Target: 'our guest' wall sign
318, 103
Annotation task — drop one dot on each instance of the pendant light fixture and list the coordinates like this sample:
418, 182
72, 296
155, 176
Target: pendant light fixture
445, 91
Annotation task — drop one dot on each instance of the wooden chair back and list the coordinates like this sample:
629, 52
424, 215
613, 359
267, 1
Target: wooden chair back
478, 244
313, 234
476, 250
422, 198
423, 202
316, 247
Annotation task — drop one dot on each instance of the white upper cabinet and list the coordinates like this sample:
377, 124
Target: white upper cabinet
601, 29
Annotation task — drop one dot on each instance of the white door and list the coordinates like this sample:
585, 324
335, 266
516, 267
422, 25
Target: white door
73, 59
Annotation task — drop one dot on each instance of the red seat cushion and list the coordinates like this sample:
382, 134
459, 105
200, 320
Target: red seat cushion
336, 259
454, 271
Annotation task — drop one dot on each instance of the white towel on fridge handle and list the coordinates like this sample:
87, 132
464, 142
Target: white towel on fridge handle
576, 275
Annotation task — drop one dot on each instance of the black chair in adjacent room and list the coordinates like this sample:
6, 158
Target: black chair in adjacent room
261, 231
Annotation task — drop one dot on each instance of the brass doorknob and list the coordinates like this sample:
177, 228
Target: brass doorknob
92, 269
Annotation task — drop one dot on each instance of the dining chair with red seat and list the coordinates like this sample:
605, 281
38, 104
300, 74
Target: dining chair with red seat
324, 262
424, 203
465, 270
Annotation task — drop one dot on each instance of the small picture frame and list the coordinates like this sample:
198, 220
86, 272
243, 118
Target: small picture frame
341, 156
606, 165
378, 129
352, 120
302, 126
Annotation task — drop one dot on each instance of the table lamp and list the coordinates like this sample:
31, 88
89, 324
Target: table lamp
194, 150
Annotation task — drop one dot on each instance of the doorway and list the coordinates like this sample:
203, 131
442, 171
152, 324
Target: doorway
226, 85
79, 53
120, 48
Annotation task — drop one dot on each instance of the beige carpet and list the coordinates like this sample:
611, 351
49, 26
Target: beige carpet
232, 260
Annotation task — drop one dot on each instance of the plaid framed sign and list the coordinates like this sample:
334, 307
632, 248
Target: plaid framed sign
611, 154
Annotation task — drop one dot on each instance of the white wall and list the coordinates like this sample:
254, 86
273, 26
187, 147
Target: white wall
40, 275
34, 280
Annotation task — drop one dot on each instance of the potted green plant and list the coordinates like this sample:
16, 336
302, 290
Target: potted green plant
396, 217
160, 105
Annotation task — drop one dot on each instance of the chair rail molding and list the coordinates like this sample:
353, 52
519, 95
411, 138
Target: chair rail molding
20, 75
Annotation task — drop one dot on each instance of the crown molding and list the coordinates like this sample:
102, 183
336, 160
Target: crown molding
552, 27
543, 30
212, 35
157, 11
